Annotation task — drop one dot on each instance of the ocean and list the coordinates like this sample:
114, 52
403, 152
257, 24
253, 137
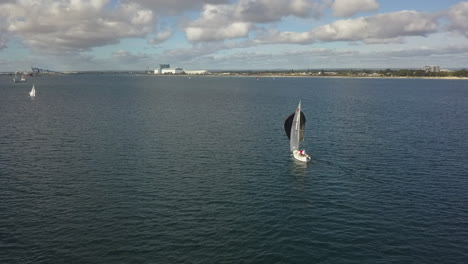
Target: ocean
158, 169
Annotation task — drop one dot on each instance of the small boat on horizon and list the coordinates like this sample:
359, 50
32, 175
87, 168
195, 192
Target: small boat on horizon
17, 79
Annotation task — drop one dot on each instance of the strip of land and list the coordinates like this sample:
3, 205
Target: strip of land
368, 74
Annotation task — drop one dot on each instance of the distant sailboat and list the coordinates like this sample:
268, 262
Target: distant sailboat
32, 93
17, 79
294, 127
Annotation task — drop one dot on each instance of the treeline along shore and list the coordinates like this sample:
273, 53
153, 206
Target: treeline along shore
352, 73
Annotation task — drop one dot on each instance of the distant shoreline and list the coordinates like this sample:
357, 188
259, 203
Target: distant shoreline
332, 77
258, 75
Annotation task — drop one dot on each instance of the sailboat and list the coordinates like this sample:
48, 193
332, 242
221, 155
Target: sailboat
32, 93
16, 79
294, 127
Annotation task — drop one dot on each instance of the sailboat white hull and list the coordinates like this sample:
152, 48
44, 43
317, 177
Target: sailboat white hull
301, 157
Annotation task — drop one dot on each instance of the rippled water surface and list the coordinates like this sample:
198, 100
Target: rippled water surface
145, 169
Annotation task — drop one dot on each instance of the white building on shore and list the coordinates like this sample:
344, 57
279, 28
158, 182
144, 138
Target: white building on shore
161, 67
172, 71
431, 68
166, 69
197, 72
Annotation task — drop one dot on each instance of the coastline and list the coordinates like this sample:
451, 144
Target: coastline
260, 76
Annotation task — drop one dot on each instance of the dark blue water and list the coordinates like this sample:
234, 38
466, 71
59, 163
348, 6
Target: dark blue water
144, 169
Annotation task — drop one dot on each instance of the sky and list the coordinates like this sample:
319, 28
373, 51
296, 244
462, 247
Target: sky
77, 35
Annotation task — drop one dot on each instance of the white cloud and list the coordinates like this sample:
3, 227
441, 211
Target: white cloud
229, 21
74, 26
458, 16
161, 37
390, 25
348, 8
378, 28
212, 33
263, 11
217, 22
173, 7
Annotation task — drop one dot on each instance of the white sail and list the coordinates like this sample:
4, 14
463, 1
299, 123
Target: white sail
296, 129
17, 79
32, 93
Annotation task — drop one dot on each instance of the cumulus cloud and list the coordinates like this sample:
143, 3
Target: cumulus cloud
348, 8
263, 11
212, 33
217, 22
173, 7
229, 21
390, 25
161, 37
382, 27
73, 26
458, 16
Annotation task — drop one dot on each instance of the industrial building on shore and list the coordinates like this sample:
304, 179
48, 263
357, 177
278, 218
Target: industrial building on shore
169, 71
166, 69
